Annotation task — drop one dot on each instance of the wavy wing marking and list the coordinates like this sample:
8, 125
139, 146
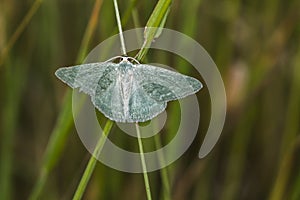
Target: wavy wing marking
165, 85
85, 77
142, 107
108, 98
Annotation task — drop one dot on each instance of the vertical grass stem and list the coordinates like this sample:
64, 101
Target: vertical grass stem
120, 27
92, 162
143, 161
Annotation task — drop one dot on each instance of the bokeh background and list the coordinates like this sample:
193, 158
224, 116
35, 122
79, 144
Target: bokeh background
255, 45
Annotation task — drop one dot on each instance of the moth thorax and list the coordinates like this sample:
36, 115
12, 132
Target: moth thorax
126, 85
125, 67
126, 89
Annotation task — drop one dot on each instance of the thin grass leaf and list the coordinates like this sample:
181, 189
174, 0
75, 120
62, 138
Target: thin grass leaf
279, 190
295, 194
64, 123
120, 27
189, 27
146, 179
127, 14
9, 127
166, 190
89, 31
161, 25
156, 19
290, 134
92, 162
238, 150
56, 145
166, 193
35, 6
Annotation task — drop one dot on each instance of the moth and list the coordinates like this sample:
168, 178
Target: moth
128, 91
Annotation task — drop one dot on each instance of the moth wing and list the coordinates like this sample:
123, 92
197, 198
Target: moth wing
142, 107
85, 77
165, 85
99, 80
108, 98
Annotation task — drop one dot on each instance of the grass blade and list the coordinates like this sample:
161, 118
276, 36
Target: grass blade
65, 121
9, 123
120, 27
280, 186
295, 191
290, 134
157, 140
146, 179
35, 6
89, 31
163, 172
92, 162
55, 145
156, 19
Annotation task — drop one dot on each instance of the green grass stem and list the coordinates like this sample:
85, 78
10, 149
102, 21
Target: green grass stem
20, 29
120, 27
64, 123
279, 189
290, 134
157, 140
92, 162
157, 17
91, 27
55, 145
10, 121
164, 171
143, 161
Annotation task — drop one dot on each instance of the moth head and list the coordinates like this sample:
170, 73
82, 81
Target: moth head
128, 59
125, 59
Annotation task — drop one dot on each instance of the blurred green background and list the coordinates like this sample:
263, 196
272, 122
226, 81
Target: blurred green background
254, 43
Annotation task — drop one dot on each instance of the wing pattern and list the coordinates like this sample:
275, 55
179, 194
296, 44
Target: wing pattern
85, 77
150, 90
142, 107
154, 87
165, 85
109, 100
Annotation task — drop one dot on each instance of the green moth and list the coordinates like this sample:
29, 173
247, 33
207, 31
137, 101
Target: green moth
128, 91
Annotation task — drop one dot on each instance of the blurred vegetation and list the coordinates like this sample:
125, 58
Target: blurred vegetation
254, 43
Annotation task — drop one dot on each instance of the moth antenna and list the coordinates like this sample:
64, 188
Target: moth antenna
113, 58
135, 60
